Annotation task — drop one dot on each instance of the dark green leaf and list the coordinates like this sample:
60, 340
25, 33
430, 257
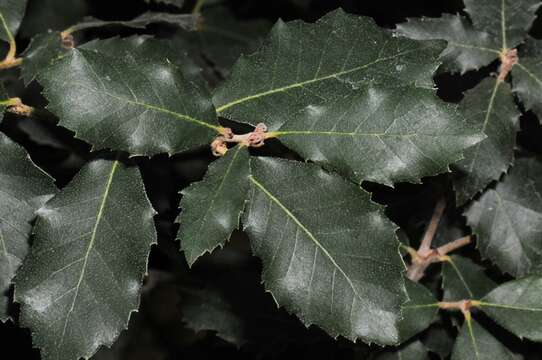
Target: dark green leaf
44, 15
507, 220
83, 276
185, 21
42, 51
463, 279
489, 107
517, 306
527, 76
413, 351
178, 3
468, 48
304, 64
11, 15
476, 343
316, 86
24, 189
211, 208
506, 21
496, 26
439, 339
418, 312
138, 102
329, 254
207, 310
221, 38
410, 134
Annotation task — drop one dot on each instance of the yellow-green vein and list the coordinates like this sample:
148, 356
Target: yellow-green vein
509, 307
307, 82
460, 276
468, 320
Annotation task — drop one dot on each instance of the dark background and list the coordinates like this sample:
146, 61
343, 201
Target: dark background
225, 286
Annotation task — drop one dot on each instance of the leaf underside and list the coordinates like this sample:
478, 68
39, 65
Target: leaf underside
329, 254
83, 277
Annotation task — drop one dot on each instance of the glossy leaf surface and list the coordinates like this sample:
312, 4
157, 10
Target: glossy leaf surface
490, 107
23, 189
83, 276
211, 208
137, 102
507, 220
463, 279
11, 16
329, 254
476, 343
517, 306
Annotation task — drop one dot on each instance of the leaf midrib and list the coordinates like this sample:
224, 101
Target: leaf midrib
306, 231
221, 108
99, 217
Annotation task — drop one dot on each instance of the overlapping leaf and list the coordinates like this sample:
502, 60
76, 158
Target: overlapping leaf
463, 279
476, 343
493, 27
138, 102
185, 21
221, 38
331, 98
11, 16
212, 207
82, 278
413, 351
527, 76
517, 306
490, 107
507, 220
418, 312
329, 254
23, 189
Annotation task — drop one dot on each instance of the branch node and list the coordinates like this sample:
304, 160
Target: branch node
254, 138
508, 59
16, 106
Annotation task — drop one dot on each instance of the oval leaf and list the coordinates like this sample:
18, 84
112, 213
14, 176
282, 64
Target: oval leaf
24, 189
507, 220
83, 277
138, 102
11, 16
329, 254
489, 107
517, 307
212, 207
476, 343
463, 279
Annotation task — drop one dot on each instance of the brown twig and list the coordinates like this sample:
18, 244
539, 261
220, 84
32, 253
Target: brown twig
425, 255
508, 59
254, 138
463, 305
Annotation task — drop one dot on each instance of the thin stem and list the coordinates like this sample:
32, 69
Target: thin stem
16, 106
10, 60
433, 225
454, 245
198, 6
